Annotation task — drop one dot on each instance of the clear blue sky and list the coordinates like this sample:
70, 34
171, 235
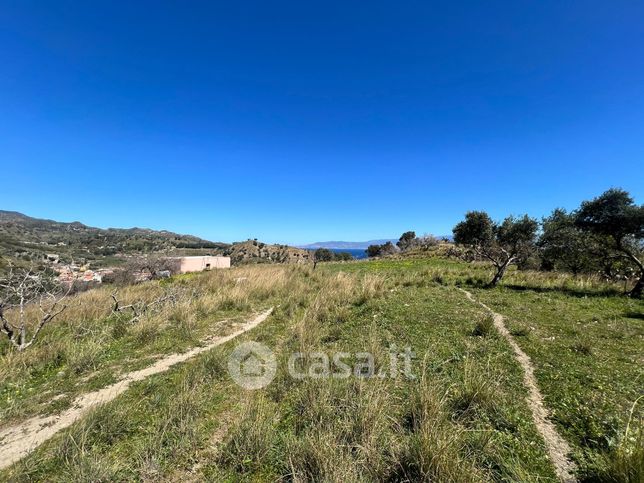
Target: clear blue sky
306, 121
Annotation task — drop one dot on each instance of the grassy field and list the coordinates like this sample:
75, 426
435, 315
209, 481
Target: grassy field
462, 417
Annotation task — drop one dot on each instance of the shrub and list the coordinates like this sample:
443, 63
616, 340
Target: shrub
484, 327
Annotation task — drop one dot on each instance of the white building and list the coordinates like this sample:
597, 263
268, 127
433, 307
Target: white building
201, 263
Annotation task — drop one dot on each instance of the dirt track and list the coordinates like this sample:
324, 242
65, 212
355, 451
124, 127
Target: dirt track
558, 448
18, 441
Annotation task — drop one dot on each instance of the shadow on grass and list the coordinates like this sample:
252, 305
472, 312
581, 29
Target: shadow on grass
575, 292
634, 315
473, 283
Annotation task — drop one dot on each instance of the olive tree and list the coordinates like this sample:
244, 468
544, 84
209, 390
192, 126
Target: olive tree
500, 243
565, 246
382, 250
406, 240
29, 299
322, 255
619, 222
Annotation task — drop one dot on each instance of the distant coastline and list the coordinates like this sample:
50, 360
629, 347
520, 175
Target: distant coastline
345, 245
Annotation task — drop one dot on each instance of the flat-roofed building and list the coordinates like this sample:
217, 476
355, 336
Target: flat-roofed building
201, 263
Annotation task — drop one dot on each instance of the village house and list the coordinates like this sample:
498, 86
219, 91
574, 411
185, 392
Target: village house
201, 263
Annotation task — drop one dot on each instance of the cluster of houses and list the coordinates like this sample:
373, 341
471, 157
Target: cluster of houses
68, 274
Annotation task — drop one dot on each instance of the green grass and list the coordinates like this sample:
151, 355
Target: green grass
586, 340
88, 347
463, 417
588, 357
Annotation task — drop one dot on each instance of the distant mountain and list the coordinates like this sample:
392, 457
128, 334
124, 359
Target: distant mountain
358, 245
27, 238
347, 245
24, 239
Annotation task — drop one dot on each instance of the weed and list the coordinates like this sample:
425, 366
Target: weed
583, 346
249, 442
484, 327
520, 330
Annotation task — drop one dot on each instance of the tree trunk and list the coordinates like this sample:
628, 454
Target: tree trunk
638, 289
500, 271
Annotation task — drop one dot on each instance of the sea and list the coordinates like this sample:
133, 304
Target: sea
356, 253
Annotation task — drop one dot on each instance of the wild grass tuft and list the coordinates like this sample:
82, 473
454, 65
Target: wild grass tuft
476, 394
433, 451
249, 443
583, 346
484, 327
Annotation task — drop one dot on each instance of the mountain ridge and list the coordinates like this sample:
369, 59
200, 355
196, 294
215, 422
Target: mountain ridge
25, 239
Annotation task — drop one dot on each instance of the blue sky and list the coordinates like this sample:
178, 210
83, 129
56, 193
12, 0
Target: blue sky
307, 121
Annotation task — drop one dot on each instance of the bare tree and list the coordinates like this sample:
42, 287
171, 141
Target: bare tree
143, 268
139, 308
427, 241
21, 290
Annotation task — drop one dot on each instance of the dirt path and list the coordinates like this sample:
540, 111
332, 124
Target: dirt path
557, 447
18, 441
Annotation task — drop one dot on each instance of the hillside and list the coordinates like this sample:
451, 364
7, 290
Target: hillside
253, 251
105, 396
23, 238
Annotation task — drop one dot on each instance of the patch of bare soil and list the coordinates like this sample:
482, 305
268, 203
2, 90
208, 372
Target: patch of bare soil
558, 448
19, 440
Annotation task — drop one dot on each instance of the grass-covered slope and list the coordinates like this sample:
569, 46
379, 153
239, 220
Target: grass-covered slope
462, 418
23, 238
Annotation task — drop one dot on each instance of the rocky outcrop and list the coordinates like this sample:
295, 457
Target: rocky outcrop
254, 251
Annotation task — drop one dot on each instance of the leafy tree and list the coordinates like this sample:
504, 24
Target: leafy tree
381, 250
502, 244
373, 250
406, 240
564, 246
388, 248
619, 222
322, 255
342, 256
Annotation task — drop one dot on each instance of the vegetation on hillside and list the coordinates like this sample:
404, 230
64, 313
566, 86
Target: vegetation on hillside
27, 239
605, 235
463, 418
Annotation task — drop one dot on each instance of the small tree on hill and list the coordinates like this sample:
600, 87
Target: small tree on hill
373, 250
619, 222
502, 244
388, 249
406, 240
382, 250
322, 255
29, 300
426, 241
342, 257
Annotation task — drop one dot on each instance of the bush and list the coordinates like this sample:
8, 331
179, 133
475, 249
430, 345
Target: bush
382, 250
484, 327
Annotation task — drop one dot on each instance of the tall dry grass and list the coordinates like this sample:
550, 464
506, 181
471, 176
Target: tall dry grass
346, 430
88, 336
